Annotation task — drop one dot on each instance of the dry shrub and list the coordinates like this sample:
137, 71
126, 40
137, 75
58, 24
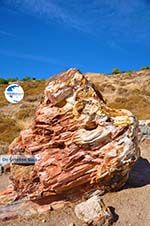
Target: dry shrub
110, 87
122, 91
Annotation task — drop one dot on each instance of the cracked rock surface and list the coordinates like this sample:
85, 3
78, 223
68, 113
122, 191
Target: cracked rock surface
77, 140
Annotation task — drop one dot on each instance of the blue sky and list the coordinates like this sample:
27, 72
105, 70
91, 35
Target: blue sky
43, 37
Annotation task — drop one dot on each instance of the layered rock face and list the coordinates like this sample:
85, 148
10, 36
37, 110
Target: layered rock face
77, 140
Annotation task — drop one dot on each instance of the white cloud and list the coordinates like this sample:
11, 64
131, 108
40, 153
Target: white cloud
114, 20
31, 57
49, 10
4, 33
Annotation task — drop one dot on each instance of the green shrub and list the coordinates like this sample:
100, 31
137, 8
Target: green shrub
12, 79
26, 78
3, 81
116, 71
145, 68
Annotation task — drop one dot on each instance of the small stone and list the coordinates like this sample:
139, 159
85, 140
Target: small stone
51, 208
93, 210
57, 205
71, 224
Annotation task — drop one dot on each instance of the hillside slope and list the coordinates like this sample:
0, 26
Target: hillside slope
130, 90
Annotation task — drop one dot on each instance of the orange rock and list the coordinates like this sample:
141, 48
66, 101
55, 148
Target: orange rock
77, 139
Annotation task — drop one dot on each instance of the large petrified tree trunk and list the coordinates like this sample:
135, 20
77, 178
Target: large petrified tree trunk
77, 139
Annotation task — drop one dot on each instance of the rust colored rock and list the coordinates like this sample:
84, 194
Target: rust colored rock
77, 139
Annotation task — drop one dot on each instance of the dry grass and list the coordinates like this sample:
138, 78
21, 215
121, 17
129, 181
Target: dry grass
3, 101
24, 113
127, 90
15, 118
33, 88
8, 129
137, 104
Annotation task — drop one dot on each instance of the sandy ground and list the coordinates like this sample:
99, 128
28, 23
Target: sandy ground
131, 205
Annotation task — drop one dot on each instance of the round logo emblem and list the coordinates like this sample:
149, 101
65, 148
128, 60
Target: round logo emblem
14, 93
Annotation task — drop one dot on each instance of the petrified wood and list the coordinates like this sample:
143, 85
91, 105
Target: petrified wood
77, 139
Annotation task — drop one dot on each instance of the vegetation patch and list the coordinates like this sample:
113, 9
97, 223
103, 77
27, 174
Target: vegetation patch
116, 71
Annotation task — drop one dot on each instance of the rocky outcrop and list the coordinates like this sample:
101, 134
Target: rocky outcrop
79, 142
